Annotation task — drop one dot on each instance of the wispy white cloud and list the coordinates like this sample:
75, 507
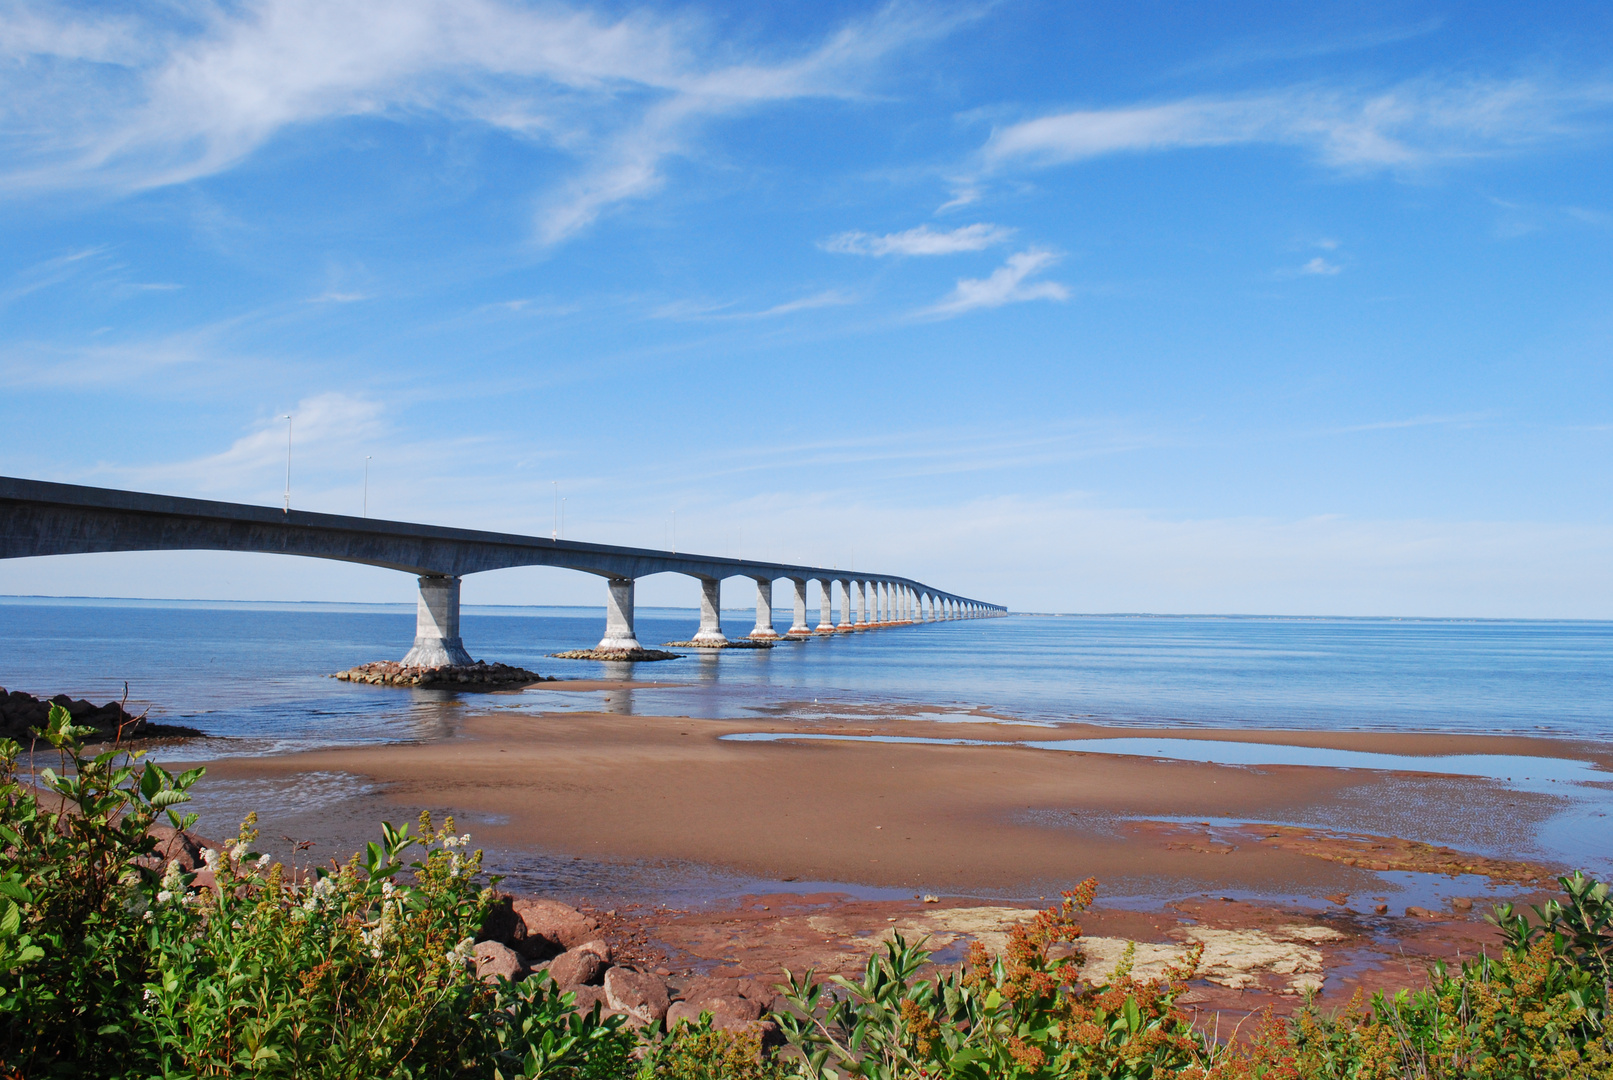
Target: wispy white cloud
1321, 266
920, 241
1006, 285
52, 271
961, 197
128, 102
335, 297
827, 298
695, 310
1413, 125
324, 426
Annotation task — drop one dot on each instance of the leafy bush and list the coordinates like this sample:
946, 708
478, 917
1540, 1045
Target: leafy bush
697, 1051
1022, 1015
361, 970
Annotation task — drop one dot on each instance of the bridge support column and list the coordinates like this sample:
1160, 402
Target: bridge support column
764, 610
710, 632
619, 636
862, 605
847, 616
436, 627
799, 627
826, 608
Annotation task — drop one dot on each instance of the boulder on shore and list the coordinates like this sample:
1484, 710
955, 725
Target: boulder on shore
576, 967
639, 994
494, 961
560, 925
20, 713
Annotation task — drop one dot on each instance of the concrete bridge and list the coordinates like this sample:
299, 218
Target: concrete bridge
41, 518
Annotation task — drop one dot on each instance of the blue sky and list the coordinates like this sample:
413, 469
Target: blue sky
1086, 307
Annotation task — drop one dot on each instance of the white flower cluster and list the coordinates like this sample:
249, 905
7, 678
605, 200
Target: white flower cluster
377, 936
319, 895
463, 953
456, 841
173, 883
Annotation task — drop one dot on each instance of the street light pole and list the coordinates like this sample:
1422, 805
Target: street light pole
555, 535
366, 485
287, 419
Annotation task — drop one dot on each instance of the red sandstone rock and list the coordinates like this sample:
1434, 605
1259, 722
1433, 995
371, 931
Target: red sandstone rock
589, 996
599, 948
728, 1012
707, 986
173, 846
560, 924
494, 960
502, 924
640, 995
576, 967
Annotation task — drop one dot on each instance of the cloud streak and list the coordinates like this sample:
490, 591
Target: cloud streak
920, 241
1414, 125
115, 102
1007, 284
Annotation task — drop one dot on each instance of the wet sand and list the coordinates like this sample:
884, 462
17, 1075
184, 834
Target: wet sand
964, 820
994, 832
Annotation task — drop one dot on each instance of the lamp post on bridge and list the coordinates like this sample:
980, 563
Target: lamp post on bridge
287, 419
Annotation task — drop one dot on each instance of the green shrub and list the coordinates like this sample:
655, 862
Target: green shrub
699, 1051
363, 970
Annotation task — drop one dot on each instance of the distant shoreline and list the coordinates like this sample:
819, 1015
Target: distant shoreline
30, 600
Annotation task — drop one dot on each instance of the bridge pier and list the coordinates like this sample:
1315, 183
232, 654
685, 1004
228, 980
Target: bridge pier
619, 635
862, 605
847, 617
798, 627
710, 632
826, 613
436, 626
764, 611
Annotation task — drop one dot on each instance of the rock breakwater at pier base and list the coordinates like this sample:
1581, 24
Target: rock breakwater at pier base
636, 655
478, 676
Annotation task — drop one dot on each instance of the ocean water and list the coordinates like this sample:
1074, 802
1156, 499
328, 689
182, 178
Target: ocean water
257, 674
256, 677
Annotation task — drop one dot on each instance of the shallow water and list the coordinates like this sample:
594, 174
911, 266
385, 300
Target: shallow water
1518, 771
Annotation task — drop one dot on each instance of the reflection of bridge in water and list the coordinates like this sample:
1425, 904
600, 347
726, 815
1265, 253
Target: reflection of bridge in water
40, 518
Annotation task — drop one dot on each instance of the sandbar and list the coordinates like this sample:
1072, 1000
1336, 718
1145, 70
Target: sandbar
964, 820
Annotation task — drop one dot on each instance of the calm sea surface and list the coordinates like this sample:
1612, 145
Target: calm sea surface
257, 673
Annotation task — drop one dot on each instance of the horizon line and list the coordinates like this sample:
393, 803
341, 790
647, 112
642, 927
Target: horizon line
1026, 614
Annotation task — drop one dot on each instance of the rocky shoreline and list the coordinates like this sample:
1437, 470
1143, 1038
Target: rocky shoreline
522, 937
20, 713
478, 676
740, 643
